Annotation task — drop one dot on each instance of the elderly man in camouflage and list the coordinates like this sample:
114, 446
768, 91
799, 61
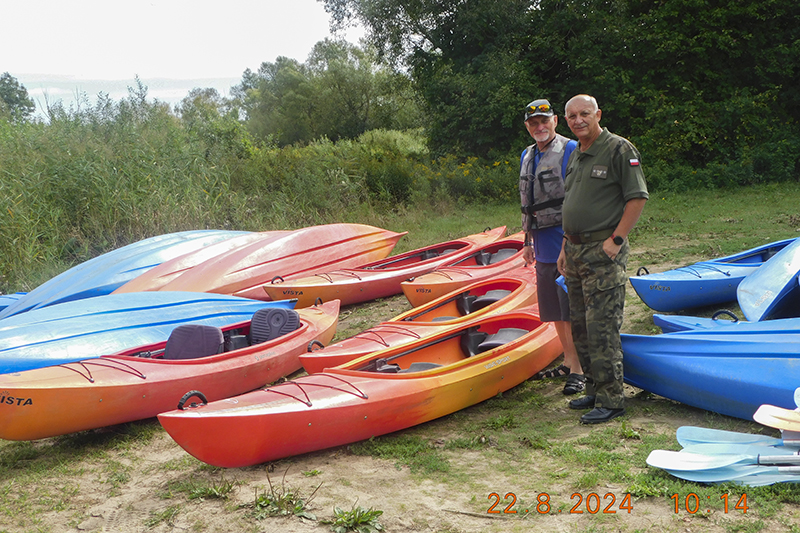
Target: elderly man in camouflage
605, 195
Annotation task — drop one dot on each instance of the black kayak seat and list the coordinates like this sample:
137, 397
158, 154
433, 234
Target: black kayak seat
449, 251
488, 299
464, 303
235, 342
272, 322
501, 255
503, 336
470, 341
386, 368
419, 367
192, 341
429, 254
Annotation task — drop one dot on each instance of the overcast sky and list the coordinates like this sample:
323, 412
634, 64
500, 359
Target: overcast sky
117, 39
51, 46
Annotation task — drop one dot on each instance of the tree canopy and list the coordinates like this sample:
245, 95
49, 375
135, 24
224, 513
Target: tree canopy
14, 100
692, 82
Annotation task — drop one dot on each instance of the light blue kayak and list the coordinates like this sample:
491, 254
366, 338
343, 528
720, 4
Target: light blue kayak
105, 273
8, 299
772, 291
104, 325
704, 283
724, 321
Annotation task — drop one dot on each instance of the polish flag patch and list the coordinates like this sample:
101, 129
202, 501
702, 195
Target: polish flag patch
634, 162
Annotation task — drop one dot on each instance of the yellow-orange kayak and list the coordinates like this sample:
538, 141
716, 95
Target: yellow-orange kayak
378, 279
242, 271
386, 391
513, 290
490, 261
145, 381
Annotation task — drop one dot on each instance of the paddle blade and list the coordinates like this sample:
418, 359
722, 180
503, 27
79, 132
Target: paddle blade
688, 435
778, 417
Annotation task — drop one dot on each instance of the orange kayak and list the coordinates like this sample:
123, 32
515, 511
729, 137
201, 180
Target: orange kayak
511, 291
244, 270
490, 261
145, 381
378, 279
160, 275
385, 391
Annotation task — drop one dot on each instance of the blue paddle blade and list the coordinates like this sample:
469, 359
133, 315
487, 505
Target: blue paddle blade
736, 473
688, 435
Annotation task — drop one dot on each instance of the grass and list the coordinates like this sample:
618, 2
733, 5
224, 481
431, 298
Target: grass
524, 442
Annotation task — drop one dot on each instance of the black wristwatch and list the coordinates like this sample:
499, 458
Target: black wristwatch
617, 240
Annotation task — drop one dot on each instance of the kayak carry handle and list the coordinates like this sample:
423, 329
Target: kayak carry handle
276, 277
189, 395
314, 343
318, 301
725, 312
642, 268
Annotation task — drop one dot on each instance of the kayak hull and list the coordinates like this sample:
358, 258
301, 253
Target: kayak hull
114, 389
772, 291
446, 279
451, 309
350, 403
731, 374
378, 279
704, 283
243, 271
105, 325
107, 272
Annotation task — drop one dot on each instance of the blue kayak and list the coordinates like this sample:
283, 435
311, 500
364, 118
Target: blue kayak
104, 325
772, 291
105, 273
8, 299
704, 283
731, 374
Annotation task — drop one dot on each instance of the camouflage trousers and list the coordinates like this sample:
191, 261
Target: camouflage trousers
596, 287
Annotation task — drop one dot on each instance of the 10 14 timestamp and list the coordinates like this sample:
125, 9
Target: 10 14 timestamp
691, 504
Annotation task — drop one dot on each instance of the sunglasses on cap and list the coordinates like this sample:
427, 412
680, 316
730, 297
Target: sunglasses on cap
543, 108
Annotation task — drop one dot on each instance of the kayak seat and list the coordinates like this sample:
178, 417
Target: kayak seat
386, 368
419, 367
443, 318
272, 322
488, 299
470, 341
482, 258
449, 251
464, 303
192, 341
503, 336
501, 255
429, 254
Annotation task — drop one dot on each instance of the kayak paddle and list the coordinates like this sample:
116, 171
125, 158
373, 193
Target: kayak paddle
688, 461
696, 435
778, 417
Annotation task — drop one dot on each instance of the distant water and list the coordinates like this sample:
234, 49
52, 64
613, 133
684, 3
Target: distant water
46, 90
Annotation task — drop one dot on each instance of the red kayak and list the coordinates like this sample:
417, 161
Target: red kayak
513, 290
378, 279
488, 262
147, 380
243, 271
386, 391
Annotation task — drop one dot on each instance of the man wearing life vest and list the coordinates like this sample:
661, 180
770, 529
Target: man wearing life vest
541, 187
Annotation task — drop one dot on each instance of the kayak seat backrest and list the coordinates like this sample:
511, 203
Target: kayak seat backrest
464, 303
501, 255
429, 254
386, 368
503, 336
192, 341
419, 367
470, 341
488, 299
272, 322
482, 258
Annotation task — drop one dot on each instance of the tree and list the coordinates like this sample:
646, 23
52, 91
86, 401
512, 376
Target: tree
14, 100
